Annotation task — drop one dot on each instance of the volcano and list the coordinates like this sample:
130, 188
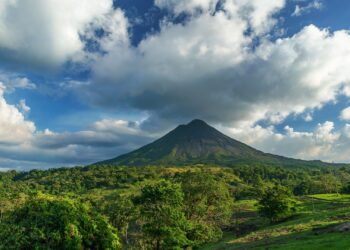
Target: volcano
199, 143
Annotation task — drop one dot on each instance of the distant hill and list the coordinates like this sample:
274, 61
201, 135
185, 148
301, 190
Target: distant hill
199, 143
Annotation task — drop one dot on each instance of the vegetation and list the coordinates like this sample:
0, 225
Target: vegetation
46, 222
208, 205
318, 224
276, 203
109, 207
161, 209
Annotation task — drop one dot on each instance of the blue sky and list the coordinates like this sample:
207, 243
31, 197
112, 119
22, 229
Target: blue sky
83, 81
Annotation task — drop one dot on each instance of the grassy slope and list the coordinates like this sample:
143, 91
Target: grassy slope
311, 228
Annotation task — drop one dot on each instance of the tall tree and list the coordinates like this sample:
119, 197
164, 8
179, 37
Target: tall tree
208, 205
163, 220
121, 211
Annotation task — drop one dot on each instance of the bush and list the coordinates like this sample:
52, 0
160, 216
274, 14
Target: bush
276, 203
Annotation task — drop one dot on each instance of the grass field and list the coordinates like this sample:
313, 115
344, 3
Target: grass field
315, 226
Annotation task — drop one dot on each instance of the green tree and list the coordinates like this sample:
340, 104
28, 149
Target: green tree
208, 205
346, 189
121, 211
163, 221
46, 222
302, 188
330, 183
276, 203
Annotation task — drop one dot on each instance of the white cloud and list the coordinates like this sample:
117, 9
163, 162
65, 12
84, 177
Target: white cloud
189, 6
23, 106
22, 146
181, 69
345, 114
102, 140
322, 143
196, 70
257, 13
220, 65
46, 33
345, 91
308, 117
13, 81
300, 10
104, 133
14, 129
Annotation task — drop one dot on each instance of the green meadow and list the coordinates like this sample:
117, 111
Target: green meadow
316, 225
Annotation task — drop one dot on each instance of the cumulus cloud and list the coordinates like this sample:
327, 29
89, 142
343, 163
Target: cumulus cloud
258, 14
345, 114
321, 143
14, 128
185, 67
23, 106
308, 117
314, 5
222, 64
22, 146
46, 148
190, 6
104, 133
47, 33
14, 81
345, 91
196, 70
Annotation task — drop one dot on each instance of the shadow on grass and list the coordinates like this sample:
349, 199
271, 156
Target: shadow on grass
322, 238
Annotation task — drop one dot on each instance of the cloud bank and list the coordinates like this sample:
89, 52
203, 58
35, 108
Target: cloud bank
44, 34
194, 69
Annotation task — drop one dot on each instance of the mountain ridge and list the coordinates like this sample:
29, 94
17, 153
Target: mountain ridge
199, 143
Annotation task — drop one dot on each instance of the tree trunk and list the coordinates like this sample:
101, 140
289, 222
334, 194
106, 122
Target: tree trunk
126, 234
158, 245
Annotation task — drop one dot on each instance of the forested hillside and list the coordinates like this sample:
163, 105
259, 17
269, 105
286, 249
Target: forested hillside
109, 207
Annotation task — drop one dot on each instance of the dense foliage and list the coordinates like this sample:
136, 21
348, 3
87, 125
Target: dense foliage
54, 223
107, 207
163, 220
275, 203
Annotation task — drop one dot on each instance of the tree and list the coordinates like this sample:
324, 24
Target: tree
346, 189
302, 188
46, 222
163, 222
330, 183
276, 203
121, 211
208, 205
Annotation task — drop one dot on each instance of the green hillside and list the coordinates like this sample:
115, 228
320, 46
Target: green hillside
321, 223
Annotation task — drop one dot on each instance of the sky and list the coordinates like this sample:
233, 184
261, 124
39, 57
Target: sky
86, 80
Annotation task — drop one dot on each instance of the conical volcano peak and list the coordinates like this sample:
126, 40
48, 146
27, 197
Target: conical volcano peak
196, 126
195, 142
197, 123
199, 143
196, 129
